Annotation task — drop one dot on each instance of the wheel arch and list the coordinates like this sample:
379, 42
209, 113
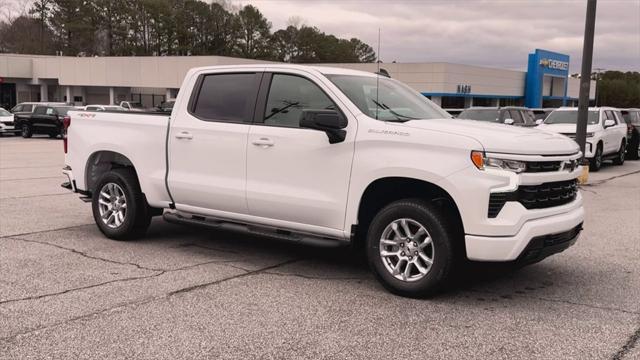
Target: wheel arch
103, 161
385, 190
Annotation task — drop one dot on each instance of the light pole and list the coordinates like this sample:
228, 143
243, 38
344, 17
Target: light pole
585, 79
598, 71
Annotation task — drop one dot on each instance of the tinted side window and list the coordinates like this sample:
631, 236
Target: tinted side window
40, 110
635, 118
515, 115
288, 96
226, 97
27, 107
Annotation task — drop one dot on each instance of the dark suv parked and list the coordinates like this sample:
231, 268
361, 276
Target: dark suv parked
510, 115
632, 118
45, 119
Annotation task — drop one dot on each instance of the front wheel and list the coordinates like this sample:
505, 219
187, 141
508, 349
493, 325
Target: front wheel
596, 162
410, 248
619, 160
119, 207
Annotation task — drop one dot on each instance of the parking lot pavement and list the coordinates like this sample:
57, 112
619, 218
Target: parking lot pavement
68, 292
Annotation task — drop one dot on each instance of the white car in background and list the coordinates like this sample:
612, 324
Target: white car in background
104, 108
606, 133
6, 122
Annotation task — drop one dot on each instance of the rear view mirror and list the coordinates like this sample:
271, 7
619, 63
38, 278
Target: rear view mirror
609, 123
329, 121
539, 121
509, 121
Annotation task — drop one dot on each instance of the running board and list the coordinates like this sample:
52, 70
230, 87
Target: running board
261, 230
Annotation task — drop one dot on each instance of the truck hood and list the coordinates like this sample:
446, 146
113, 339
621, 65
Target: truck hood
502, 138
564, 128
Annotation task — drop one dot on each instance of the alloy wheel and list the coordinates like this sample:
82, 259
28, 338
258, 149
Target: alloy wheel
407, 250
112, 204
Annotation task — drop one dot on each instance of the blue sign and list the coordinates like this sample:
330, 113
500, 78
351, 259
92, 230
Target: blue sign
541, 63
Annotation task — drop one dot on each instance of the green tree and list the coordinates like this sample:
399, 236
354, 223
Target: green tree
619, 89
40, 10
254, 34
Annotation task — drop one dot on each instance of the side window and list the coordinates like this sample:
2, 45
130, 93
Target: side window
619, 118
17, 108
226, 97
27, 107
40, 110
289, 95
609, 116
635, 117
515, 115
50, 111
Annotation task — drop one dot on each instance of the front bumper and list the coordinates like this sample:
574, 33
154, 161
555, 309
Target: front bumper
509, 248
6, 128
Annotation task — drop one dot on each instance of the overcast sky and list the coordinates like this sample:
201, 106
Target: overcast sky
498, 33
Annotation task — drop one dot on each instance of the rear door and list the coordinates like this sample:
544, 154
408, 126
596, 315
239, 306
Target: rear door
208, 143
295, 177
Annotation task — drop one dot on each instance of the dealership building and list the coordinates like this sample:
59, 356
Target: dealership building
151, 80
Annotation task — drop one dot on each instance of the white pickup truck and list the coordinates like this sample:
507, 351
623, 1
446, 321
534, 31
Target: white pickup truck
331, 156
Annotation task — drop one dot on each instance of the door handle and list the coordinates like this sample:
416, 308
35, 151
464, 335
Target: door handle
264, 142
184, 135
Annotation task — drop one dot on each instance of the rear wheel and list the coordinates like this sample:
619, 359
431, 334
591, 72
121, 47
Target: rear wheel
619, 160
119, 207
633, 152
596, 162
25, 131
410, 248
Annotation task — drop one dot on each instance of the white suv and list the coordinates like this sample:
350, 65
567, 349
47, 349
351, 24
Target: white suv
606, 133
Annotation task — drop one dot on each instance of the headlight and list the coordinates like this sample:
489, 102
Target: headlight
481, 161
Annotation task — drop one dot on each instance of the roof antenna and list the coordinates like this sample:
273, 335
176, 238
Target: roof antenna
378, 76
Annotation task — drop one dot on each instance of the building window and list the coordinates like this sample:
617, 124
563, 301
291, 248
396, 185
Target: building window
483, 101
452, 102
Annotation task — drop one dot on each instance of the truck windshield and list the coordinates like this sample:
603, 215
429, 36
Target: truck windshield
570, 117
387, 99
481, 115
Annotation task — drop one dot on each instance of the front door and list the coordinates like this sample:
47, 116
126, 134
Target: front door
208, 144
295, 175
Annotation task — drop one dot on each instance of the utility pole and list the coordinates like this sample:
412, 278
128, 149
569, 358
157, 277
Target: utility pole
598, 72
585, 78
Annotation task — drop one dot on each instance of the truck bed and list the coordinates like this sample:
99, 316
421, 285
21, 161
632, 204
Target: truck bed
141, 137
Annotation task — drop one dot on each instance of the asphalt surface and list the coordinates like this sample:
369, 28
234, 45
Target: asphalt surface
68, 292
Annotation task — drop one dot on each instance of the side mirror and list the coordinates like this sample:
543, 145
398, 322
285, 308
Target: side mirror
609, 123
539, 121
329, 121
509, 121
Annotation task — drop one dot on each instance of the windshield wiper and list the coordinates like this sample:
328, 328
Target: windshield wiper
277, 111
399, 117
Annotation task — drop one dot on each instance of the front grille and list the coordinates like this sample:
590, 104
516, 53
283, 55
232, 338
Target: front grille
535, 196
547, 195
542, 166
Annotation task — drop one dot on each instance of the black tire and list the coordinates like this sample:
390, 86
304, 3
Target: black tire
442, 236
596, 162
138, 214
633, 151
25, 130
619, 159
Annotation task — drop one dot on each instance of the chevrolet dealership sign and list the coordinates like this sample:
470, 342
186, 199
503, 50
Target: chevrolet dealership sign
554, 64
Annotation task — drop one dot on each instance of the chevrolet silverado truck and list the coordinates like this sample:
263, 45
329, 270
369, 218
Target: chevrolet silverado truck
329, 156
